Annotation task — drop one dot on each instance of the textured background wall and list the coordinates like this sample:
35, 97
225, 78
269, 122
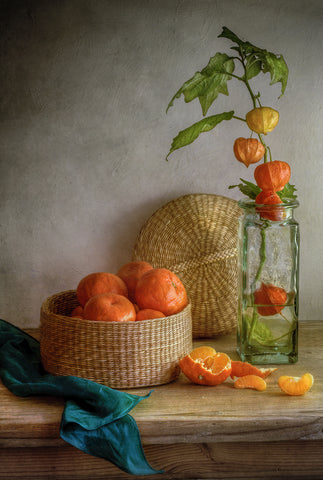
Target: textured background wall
84, 134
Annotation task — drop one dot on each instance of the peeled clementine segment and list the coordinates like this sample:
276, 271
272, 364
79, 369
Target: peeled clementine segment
205, 366
251, 381
296, 385
201, 353
241, 369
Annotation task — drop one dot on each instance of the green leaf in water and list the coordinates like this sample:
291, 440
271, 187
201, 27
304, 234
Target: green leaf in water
261, 333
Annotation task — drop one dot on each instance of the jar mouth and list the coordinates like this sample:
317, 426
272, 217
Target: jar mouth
251, 204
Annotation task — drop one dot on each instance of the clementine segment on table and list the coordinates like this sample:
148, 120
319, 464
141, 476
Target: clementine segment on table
296, 385
251, 381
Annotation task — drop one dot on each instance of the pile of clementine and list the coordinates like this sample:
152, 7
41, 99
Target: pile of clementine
205, 366
138, 291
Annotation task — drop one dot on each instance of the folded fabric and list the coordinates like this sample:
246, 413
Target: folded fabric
95, 418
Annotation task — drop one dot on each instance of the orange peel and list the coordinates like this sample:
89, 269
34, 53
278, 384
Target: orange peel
241, 369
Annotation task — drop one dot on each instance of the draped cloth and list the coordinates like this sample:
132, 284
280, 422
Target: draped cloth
95, 419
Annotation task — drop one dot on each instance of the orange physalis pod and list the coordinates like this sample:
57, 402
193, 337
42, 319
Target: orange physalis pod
272, 176
270, 299
267, 199
248, 150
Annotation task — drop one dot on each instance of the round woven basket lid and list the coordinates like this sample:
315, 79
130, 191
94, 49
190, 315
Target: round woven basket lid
195, 236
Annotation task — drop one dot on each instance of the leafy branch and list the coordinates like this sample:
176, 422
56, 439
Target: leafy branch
213, 79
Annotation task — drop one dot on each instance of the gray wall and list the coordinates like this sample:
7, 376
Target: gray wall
84, 134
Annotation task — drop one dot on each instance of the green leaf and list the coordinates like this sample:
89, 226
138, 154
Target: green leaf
247, 188
260, 60
288, 192
253, 66
227, 33
207, 84
187, 136
261, 333
277, 68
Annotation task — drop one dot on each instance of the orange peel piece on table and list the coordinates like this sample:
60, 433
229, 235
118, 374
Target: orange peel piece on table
296, 385
240, 369
251, 381
205, 366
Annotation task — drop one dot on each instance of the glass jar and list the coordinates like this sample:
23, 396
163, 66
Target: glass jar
268, 266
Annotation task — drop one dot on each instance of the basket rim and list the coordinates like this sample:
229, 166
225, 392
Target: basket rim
86, 322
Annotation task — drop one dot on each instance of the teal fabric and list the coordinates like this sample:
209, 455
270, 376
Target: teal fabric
95, 418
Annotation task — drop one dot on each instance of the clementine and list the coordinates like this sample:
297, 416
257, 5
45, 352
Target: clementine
205, 366
77, 312
101, 282
148, 314
109, 307
160, 289
130, 274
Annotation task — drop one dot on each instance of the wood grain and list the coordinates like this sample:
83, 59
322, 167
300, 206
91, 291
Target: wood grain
246, 460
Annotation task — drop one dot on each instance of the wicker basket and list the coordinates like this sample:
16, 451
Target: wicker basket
120, 355
195, 236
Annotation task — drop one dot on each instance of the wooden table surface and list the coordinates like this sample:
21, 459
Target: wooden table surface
189, 431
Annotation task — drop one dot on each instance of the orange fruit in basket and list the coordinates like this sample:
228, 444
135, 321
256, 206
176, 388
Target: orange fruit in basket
77, 312
296, 385
101, 282
240, 369
251, 381
148, 314
205, 366
160, 289
130, 274
110, 307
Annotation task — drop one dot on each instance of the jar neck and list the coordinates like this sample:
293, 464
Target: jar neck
281, 212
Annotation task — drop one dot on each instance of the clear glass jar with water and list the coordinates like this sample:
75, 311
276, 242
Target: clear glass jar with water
268, 280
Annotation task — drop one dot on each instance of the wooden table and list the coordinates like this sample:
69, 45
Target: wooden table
190, 431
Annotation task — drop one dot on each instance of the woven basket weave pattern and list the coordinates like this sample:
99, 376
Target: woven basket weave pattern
117, 354
195, 236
